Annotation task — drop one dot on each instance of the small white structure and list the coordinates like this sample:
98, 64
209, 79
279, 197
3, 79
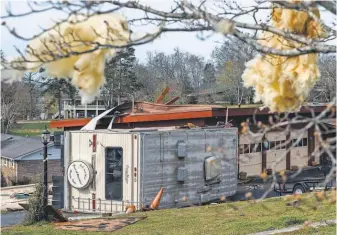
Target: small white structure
107, 169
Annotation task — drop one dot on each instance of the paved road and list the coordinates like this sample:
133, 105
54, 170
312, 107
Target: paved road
257, 192
12, 218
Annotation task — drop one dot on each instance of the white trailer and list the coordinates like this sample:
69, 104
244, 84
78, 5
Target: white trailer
107, 169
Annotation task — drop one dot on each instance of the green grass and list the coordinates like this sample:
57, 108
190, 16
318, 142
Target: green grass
225, 218
30, 128
3, 212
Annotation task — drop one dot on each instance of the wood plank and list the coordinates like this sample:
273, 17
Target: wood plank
163, 94
173, 100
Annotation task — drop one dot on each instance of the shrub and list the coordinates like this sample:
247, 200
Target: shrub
23, 180
3, 180
35, 211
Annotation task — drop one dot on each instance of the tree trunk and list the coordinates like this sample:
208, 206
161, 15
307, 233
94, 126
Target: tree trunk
30, 96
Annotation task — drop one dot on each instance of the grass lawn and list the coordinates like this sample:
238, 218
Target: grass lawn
225, 218
30, 128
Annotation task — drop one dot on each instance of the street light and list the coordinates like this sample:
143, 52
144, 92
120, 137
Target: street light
45, 138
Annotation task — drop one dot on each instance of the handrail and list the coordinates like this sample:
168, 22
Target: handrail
101, 205
90, 106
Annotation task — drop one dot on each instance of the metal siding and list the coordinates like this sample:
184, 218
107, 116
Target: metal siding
67, 159
80, 150
161, 164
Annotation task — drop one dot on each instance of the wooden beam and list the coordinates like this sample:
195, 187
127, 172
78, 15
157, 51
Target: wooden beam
163, 94
173, 100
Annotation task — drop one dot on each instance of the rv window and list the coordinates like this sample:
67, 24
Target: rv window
305, 142
241, 149
254, 148
283, 144
114, 173
272, 145
246, 148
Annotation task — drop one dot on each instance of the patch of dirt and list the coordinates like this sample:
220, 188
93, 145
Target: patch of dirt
98, 225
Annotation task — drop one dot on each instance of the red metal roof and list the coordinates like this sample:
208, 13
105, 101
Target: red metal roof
147, 112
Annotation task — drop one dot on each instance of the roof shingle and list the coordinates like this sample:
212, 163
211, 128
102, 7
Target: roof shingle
13, 146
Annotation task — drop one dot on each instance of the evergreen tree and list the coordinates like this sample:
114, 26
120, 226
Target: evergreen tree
57, 88
121, 79
209, 74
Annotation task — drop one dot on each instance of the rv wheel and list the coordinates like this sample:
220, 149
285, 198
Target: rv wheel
298, 189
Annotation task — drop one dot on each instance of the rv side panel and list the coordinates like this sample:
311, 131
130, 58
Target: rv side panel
175, 160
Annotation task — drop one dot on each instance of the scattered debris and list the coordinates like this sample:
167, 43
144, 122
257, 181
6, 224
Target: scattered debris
98, 225
55, 214
130, 209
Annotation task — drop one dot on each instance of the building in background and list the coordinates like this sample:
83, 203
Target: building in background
74, 108
22, 159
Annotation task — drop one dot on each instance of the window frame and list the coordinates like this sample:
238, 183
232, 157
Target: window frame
304, 143
272, 145
105, 173
255, 148
241, 149
246, 149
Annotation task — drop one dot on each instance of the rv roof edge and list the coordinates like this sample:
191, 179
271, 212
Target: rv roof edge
93, 122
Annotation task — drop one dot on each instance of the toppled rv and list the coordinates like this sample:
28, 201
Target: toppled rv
106, 170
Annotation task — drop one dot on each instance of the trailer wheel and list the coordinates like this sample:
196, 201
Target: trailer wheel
298, 189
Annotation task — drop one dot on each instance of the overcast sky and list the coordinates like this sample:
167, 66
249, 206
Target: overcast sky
189, 42
166, 43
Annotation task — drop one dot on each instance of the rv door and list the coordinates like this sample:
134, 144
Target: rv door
116, 154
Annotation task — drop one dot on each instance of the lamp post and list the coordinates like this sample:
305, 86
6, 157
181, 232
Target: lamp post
45, 138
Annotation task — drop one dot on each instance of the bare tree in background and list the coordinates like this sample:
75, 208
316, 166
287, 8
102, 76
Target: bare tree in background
33, 82
230, 58
14, 104
181, 71
325, 89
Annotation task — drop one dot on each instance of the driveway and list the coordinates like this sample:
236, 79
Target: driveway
12, 218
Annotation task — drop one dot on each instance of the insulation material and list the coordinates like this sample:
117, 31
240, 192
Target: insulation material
78, 34
283, 83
